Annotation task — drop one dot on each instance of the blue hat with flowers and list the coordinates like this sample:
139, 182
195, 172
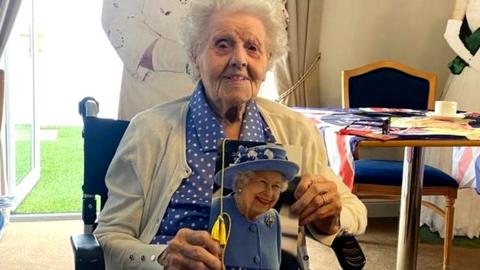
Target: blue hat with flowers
266, 157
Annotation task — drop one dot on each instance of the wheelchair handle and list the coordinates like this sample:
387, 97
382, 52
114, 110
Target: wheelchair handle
88, 107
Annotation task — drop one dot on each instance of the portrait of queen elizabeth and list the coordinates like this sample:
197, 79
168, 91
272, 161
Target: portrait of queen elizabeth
257, 176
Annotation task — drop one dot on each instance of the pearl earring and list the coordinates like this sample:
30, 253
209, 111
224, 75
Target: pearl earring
239, 190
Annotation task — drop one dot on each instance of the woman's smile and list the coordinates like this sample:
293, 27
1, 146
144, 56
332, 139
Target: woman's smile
264, 201
235, 77
236, 81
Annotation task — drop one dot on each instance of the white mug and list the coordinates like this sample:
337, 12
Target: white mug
445, 108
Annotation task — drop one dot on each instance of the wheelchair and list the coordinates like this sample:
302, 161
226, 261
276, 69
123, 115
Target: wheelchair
101, 138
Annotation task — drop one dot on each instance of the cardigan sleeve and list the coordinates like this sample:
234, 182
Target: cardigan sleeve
353, 217
120, 220
292, 128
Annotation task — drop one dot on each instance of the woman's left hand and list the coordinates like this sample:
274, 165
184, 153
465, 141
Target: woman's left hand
318, 203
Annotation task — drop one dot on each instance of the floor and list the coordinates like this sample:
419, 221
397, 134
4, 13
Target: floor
38, 245
379, 245
45, 245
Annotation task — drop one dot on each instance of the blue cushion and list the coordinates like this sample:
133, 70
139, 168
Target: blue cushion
387, 172
389, 88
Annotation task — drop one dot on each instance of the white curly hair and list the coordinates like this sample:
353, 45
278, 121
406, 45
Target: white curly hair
271, 12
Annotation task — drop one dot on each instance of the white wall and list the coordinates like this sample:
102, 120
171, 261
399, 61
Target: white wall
357, 32
76, 60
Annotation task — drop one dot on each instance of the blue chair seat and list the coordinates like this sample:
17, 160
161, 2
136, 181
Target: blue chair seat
387, 172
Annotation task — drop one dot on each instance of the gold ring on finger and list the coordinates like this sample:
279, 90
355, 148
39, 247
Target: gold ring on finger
324, 199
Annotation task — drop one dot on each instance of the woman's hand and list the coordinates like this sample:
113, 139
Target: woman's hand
318, 202
191, 249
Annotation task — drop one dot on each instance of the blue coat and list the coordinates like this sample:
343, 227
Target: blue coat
252, 245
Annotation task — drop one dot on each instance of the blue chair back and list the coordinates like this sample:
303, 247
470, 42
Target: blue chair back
389, 88
101, 139
388, 84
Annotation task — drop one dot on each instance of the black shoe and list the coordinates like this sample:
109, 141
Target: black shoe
349, 254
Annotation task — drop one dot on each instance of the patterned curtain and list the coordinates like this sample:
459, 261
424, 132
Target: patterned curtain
8, 12
297, 75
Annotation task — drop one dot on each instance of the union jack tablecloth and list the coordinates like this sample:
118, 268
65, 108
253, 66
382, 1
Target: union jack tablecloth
344, 128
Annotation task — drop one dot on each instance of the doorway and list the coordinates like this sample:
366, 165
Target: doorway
67, 57
57, 54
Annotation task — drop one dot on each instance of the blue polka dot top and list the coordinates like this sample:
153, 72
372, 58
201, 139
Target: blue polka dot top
189, 206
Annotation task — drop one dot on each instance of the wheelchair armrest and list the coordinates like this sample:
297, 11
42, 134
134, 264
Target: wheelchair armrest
87, 252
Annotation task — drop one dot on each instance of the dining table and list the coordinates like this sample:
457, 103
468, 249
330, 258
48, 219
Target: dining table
346, 129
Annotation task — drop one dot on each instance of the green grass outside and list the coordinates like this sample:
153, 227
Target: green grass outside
427, 236
59, 187
23, 149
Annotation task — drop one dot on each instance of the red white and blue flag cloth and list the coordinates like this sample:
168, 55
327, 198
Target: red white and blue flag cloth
341, 146
341, 164
466, 166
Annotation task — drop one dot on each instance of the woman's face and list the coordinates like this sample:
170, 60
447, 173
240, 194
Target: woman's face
259, 194
233, 60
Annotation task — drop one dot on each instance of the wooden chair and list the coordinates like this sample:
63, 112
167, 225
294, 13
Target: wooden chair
393, 85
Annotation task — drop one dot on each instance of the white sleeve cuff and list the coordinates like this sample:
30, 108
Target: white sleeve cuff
452, 36
326, 239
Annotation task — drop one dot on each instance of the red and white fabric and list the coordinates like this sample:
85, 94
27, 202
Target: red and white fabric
466, 167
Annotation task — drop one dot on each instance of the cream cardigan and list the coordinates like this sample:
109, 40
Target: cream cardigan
150, 164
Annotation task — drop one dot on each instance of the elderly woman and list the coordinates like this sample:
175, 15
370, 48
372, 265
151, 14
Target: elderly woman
257, 177
160, 180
